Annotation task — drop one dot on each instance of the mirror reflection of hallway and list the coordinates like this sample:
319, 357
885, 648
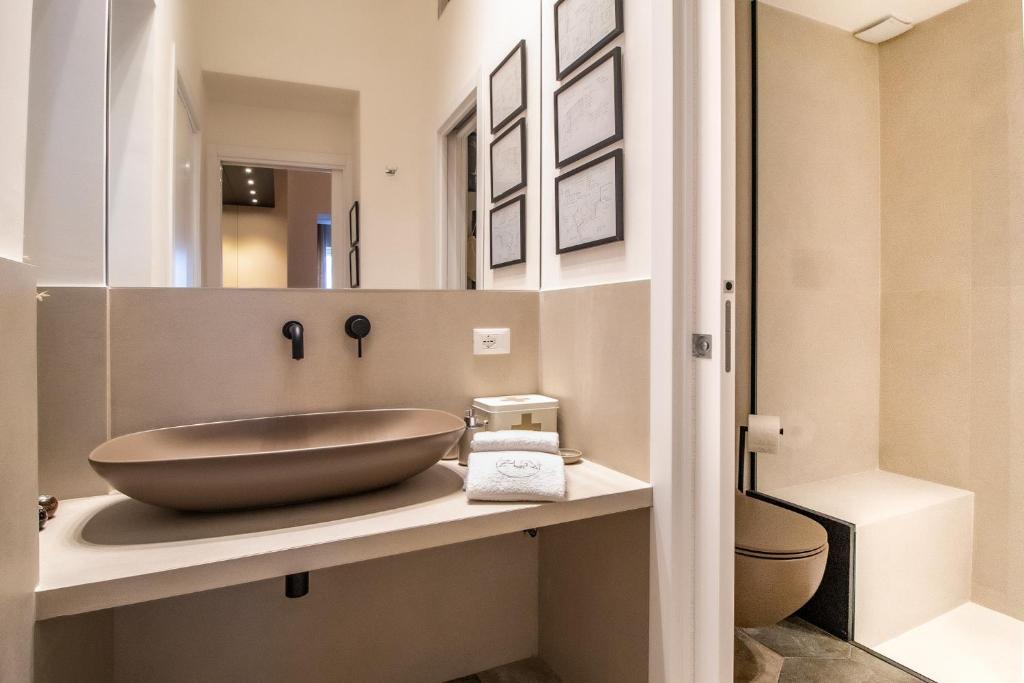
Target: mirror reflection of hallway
276, 228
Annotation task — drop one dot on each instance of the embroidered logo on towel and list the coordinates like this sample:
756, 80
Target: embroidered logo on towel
518, 468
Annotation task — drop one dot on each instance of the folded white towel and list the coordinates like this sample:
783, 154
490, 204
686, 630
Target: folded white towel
515, 475
515, 440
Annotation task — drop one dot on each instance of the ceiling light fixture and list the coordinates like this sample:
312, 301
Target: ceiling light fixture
248, 170
252, 191
251, 181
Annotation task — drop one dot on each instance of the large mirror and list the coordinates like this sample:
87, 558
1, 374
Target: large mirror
324, 144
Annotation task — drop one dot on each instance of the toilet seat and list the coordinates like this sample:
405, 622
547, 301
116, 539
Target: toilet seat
780, 561
770, 532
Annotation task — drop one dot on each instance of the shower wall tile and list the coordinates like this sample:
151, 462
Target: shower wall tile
818, 248
818, 369
926, 385
991, 454
818, 200
952, 270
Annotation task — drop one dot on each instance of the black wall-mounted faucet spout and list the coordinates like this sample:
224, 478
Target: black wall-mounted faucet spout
293, 330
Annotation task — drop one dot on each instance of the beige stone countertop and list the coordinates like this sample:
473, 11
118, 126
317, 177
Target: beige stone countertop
106, 551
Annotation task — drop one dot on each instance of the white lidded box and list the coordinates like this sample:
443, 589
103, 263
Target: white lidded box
520, 411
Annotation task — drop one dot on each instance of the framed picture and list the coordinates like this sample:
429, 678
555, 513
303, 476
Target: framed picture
508, 162
508, 88
582, 28
588, 204
508, 233
353, 225
353, 267
588, 110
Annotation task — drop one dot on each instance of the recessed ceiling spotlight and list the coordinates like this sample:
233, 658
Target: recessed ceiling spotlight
248, 170
252, 191
251, 181
255, 201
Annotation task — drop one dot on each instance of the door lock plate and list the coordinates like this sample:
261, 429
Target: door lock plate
702, 346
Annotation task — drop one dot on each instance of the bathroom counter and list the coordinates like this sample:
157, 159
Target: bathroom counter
107, 551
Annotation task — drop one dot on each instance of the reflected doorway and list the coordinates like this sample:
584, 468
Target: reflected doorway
463, 257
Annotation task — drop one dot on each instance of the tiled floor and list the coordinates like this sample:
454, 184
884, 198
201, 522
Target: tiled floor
970, 644
524, 671
796, 652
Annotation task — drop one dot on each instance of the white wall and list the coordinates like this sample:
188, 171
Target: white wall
64, 185
472, 40
279, 128
15, 34
150, 43
630, 259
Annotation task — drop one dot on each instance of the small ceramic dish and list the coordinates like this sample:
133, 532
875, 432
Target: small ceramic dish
570, 456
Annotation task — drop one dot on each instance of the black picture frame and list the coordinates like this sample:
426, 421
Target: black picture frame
563, 70
353, 224
521, 200
521, 128
620, 213
353, 267
616, 56
498, 125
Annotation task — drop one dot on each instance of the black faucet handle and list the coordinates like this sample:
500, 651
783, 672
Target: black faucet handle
293, 330
358, 327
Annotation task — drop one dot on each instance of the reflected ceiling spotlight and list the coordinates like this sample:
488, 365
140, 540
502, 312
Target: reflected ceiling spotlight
251, 181
248, 170
252, 191
255, 201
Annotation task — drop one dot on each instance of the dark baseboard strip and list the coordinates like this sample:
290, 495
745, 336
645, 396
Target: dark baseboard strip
892, 662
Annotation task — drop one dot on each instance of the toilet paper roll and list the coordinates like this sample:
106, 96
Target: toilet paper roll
764, 433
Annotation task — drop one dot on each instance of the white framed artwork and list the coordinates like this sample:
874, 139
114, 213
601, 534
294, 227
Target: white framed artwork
508, 88
588, 110
508, 233
589, 204
508, 162
582, 28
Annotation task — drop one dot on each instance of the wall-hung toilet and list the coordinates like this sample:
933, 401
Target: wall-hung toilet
780, 559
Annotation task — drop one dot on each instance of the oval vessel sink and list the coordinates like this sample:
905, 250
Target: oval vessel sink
275, 460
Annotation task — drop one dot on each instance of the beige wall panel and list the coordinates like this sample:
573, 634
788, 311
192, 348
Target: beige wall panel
428, 616
19, 534
79, 648
185, 356
594, 598
72, 389
595, 359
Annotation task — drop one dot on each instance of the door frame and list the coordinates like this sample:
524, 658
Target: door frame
196, 267
692, 405
449, 221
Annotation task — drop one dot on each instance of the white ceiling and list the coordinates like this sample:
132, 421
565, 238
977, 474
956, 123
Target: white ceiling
263, 92
855, 15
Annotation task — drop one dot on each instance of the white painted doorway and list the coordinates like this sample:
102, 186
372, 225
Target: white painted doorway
186, 251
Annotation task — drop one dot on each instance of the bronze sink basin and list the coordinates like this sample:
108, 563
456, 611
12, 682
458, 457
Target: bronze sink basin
267, 461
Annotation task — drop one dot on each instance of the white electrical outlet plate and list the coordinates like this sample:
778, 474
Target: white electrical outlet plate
491, 341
